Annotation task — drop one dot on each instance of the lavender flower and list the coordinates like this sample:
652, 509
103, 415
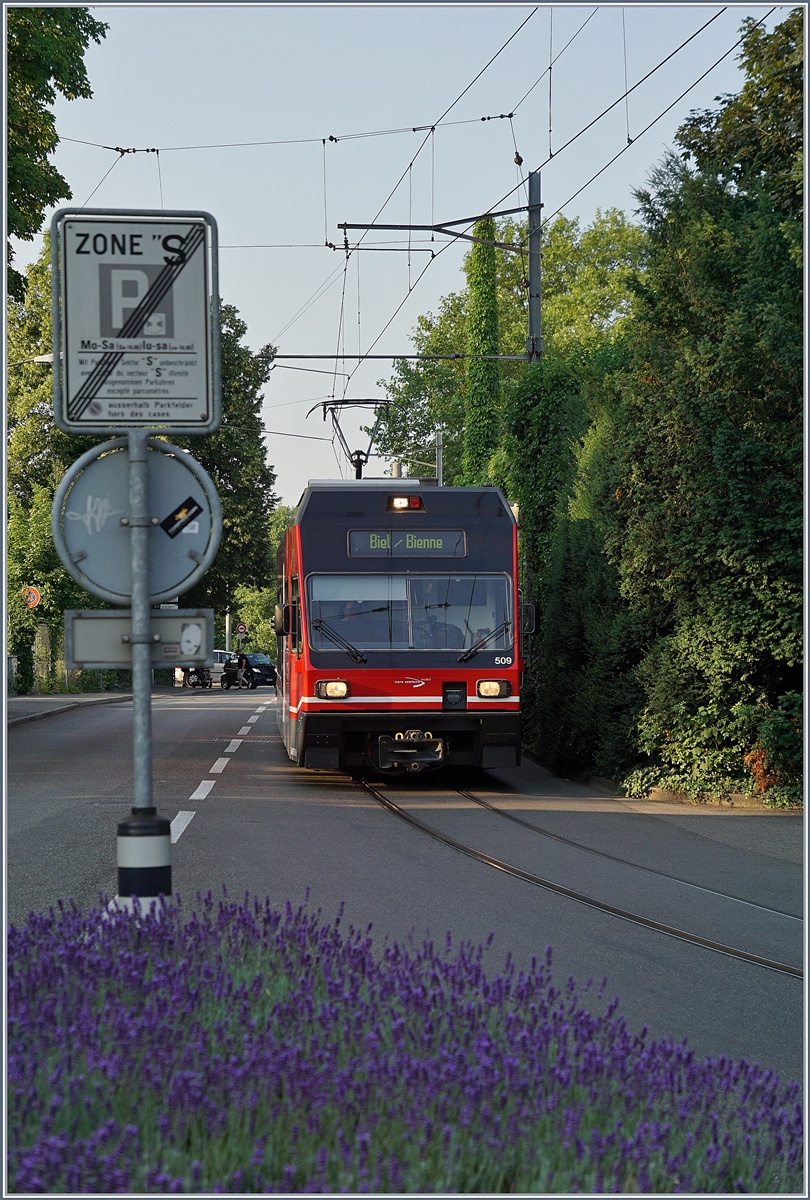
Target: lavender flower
273, 1052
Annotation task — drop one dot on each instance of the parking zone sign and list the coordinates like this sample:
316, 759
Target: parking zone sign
136, 330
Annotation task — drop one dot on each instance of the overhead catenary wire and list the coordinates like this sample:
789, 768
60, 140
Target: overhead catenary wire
559, 55
331, 138
660, 115
430, 132
312, 370
368, 355
308, 141
121, 151
333, 276
103, 177
160, 180
626, 93
550, 66
663, 113
570, 141
431, 128
655, 120
309, 437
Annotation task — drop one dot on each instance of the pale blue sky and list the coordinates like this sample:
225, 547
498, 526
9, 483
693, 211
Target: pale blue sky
185, 75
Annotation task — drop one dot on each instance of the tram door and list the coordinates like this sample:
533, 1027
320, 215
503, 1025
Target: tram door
293, 665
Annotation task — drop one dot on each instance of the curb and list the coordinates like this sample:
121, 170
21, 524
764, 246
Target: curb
60, 708
610, 789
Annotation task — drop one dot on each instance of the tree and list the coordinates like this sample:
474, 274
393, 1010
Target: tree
38, 452
255, 606
703, 505
235, 458
482, 408
45, 55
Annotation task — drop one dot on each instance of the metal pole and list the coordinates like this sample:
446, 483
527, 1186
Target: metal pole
439, 479
141, 630
228, 635
144, 846
534, 342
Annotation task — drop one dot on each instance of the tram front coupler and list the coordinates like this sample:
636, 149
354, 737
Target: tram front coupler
414, 750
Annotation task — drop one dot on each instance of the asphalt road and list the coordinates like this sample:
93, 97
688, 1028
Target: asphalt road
263, 826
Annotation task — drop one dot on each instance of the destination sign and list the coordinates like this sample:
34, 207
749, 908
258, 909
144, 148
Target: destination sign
398, 543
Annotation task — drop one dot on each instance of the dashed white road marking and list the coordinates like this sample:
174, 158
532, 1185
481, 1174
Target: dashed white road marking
260, 710
245, 729
180, 822
203, 790
252, 720
234, 745
219, 766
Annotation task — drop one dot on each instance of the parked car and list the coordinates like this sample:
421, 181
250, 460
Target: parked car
260, 672
220, 658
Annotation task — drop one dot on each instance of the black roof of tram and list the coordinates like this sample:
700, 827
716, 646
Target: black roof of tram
330, 509
363, 503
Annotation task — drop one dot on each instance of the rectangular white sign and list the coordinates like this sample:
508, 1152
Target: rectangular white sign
99, 638
135, 322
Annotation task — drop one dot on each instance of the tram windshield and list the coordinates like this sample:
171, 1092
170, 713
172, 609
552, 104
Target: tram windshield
409, 612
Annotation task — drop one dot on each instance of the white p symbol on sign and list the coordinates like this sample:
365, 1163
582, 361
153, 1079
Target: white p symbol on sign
121, 290
127, 289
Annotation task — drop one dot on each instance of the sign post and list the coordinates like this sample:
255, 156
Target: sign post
136, 351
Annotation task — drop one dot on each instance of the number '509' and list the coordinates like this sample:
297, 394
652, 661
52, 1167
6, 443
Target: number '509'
503, 662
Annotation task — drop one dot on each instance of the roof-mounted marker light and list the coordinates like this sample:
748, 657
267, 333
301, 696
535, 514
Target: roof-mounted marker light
405, 504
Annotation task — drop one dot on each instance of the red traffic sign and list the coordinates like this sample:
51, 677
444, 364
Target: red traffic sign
31, 597
241, 628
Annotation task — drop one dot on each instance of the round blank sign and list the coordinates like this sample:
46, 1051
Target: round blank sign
92, 523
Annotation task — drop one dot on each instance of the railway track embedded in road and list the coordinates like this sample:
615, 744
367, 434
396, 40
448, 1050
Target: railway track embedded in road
556, 837
560, 889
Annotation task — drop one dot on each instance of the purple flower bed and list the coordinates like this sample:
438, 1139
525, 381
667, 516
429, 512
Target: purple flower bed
245, 1050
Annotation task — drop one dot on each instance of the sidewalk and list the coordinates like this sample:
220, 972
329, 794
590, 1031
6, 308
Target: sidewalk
33, 708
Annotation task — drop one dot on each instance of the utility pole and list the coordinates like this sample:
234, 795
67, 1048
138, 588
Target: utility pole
439, 469
534, 342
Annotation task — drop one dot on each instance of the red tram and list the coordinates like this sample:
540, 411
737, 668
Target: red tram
398, 627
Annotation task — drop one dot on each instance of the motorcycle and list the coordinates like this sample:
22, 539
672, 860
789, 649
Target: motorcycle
200, 677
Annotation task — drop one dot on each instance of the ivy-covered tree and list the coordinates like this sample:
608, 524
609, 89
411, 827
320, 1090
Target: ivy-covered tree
45, 55
586, 297
704, 501
482, 406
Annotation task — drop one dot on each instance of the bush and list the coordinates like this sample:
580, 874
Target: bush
272, 1053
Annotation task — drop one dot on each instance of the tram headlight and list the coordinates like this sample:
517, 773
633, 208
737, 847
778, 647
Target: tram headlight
331, 689
493, 689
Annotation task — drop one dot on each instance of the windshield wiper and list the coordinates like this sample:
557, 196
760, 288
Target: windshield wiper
479, 645
339, 640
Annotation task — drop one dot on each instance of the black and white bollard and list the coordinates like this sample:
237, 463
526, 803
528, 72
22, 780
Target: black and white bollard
144, 860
